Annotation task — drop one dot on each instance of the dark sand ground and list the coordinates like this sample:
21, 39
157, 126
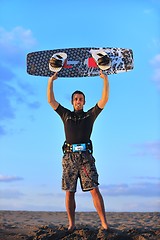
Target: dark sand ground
28, 225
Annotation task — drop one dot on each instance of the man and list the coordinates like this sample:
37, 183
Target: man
78, 161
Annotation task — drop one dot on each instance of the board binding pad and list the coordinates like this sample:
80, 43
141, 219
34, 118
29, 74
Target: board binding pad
80, 62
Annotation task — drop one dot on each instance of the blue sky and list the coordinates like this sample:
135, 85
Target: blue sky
126, 134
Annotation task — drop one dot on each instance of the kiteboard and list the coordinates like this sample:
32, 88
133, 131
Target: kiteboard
79, 62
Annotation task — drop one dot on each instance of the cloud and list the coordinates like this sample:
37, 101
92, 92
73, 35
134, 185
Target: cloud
134, 205
152, 205
13, 45
148, 149
155, 62
7, 74
6, 93
2, 131
147, 11
5, 178
155, 43
142, 189
149, 178
17, 36
8, 96
11, 194
13, 89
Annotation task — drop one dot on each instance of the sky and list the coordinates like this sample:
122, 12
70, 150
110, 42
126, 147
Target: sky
126, 135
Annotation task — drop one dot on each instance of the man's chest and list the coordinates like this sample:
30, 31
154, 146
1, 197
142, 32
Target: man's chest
82, 121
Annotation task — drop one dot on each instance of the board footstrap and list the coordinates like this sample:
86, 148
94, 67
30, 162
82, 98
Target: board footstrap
101, 58
57, 61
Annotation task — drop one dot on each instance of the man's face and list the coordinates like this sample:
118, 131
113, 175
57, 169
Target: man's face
78, 101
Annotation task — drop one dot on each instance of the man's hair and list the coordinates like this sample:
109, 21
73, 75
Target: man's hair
77, 92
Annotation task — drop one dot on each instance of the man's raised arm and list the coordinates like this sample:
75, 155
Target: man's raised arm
50, 92
105, 92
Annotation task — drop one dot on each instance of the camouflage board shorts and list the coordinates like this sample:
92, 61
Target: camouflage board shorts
82, 166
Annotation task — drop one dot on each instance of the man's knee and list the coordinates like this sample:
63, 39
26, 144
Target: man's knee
70, 194
95, 191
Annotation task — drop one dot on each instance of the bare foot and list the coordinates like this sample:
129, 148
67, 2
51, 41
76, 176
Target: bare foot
105, 226
71, 229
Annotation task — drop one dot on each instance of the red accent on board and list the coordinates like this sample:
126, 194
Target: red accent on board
67, 66
92, 62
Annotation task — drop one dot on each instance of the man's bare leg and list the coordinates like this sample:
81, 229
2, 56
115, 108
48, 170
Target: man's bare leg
70, 207
99, 205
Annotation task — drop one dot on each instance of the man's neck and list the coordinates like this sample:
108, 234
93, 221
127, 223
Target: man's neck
78, 111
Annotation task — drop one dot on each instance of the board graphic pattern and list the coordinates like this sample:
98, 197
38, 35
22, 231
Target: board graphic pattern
78, 62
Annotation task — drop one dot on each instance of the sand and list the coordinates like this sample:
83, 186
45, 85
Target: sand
28, 225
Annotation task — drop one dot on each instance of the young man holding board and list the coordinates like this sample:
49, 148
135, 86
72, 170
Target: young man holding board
78, 161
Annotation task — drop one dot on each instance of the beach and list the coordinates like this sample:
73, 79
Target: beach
31, 225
